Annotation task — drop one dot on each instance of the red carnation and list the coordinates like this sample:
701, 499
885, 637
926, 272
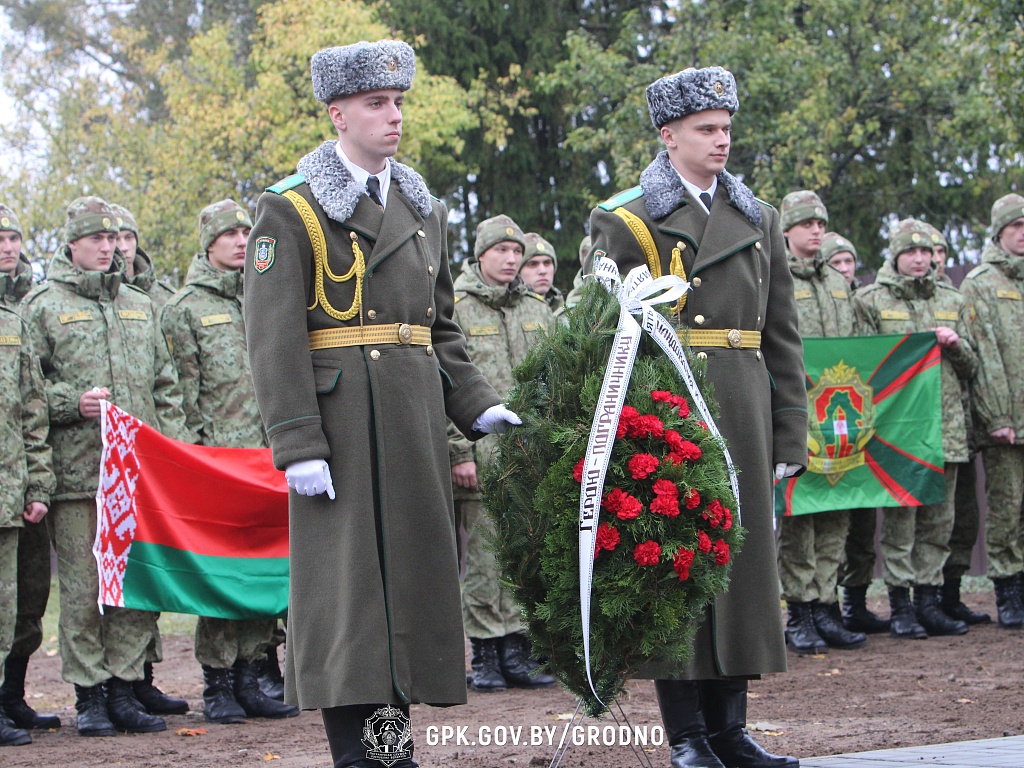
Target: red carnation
682, 405
692, 498
647, 553
690, 451
665, 487
704, 425
674, 439
607, 538
682, 562
666, 505
646, 426
714, 513
721, 552
674, 458
661, 396
627, 416
703, 542
642, 465
622, 505
577, 471
727, 523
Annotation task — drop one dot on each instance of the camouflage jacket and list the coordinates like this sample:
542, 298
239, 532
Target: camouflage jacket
500, 323
573, 297
91, 331
145, 280
554, 298
995, 291
14, 287
205, 332
27, 474
898, 304
822, 299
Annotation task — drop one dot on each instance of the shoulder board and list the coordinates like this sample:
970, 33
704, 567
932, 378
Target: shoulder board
763, 202
979, 270
288, 183
36, 291
619, 200
435, 197
179, 296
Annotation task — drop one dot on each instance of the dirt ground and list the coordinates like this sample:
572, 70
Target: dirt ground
888, 694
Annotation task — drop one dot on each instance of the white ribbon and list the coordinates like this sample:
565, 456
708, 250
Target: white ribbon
638, 295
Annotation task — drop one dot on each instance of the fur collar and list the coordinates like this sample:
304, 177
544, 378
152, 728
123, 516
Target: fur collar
664, 191
337, 192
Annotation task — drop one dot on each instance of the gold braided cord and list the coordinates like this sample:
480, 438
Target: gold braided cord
643, 237
319, 243
676, 268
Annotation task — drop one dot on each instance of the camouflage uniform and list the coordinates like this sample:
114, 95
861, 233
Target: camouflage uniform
586, 267
536, 244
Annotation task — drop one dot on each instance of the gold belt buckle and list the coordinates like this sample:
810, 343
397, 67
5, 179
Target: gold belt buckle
735, 338
405, 333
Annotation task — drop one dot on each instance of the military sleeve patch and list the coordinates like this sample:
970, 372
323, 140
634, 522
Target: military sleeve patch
132, 314
220, 319
942, 315
803, 293
10, 341
836, 294
75, 317
532, 325
263, 256
895, 314
1011, 295
484, 330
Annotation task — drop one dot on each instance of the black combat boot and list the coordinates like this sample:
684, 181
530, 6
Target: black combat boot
219, 704
1009, 605
125, 711
487, 676
11, 736
253, 700
930, 615
12, 697
683, 716
271, 680
831, 630
91, 705
954, 607
345, 732
801, 636
725, 711
518, 667
155, 701
856, 615
903, 623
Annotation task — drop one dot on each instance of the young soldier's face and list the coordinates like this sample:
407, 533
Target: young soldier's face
805, 238
1012, 237
939, 259
128, 243
95, 252
845, 263
499, 264
698, 144
10, 251
227, 252
538, 272
914, 262
369, 126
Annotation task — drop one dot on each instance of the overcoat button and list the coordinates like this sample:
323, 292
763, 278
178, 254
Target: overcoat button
430, 311
374, 354
430, 351
699, 319
758, 246
430, 269
421, 233
759, 354
702, 355
372, 314
696, 282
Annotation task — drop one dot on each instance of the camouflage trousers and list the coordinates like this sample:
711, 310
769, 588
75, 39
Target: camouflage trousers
858, 567
965, 523
488, 610
219, 643
915, 540
8, 590
33, 587
810, 550
93, 647
1004, 491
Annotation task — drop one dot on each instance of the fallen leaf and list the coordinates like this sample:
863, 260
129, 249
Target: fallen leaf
270, 756
965, 701
191, 731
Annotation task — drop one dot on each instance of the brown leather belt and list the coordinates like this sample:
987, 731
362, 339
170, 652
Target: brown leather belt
357, 336
731, 338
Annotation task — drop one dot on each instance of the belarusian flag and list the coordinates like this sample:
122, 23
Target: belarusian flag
189, 528
874, 412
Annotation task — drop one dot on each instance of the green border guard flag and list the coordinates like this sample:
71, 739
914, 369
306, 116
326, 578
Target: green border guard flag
874, 425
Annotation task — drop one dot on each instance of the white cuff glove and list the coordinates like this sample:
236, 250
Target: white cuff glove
310, 478
786, 470
496, 419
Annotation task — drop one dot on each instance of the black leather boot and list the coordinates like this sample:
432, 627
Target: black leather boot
954, 607
345, 732
518, 667
903, 623
155, 701
253, 700
930, 615
725, 711
831, 630
801, 636
856, 615
683, 717
487, 677
12, 697
91, 705
1009, 605
219, 704
270, 678
126, 712
11, 736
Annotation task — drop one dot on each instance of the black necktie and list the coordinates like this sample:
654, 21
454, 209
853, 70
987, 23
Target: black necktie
373, 190
706, 199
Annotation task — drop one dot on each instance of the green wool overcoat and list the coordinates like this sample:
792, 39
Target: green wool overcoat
736, 262
374, 614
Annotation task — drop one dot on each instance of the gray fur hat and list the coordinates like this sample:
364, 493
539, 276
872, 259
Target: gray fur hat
689, 91
361, 67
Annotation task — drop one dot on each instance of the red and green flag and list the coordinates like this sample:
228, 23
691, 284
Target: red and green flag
874, 433
189, 528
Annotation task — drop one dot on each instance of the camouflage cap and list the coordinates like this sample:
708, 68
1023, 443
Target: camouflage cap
9, 221
936, 235
217, 218
800, 206
1006, 209
833, 243
536, 244
125, 220
907, 234
689, 91
87, 216
361, 67
494, 230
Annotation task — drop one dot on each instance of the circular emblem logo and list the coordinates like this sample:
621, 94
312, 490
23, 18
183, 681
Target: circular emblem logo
916, 238
936, 238
840, 241
818, 212
404, 333
540, 246
5, 222
392, 64
239, 215
106, 222
120, 222
509, 231
735, 338
718, 87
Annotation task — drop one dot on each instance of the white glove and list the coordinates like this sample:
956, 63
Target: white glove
786, 470
496, 419
310, 478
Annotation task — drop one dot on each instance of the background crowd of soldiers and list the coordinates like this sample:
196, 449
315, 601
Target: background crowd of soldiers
103, 327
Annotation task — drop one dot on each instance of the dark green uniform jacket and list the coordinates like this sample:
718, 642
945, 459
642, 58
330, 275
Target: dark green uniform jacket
374, 613
736, 261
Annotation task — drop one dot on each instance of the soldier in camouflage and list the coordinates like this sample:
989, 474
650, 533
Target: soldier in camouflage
811, 546
586, 267
538, 269
15, 269
995, 290
205, 332
841, 254
96, 339
138, 266
500, 317
906, 297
